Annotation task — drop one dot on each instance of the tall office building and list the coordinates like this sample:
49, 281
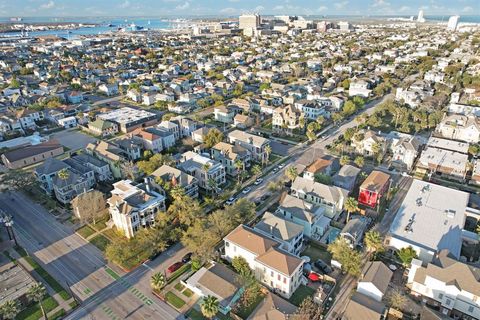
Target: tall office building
249, 21
453, 23
420, 17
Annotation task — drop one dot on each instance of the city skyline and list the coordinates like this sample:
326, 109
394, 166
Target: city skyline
74, 8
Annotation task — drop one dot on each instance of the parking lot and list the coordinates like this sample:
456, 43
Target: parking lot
73, 139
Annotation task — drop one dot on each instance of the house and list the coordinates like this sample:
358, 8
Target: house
287, 232
346, 177
313, 109
430, 218
46, 172
255, 144
74, 183
331, 198
186, 126
29, 155
109, 153
68, 122
476, 172
374, 280
132, 148
459, 127
274, 267
102, 128
171, 127
286, 119
200, 133
361, 307
441, 162
325, 165
108, 89
133, 207
224, 114
405, 151
149, 138
368, 143
100, 168
176, 178
450, 286
242, 121
273, 307
359, 88
374, 188
354, 230
209, 173
148, 98
228, 155
74, 97
218, 281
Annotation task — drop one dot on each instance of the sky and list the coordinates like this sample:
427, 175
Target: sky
162, 8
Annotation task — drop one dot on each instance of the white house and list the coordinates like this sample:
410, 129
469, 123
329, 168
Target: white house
374, 280
68, 122
460, 127
273, 266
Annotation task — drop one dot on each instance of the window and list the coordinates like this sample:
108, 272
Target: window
448, 302
284, 280
279, 278
440, 296
227, 244
470, 309
271, 273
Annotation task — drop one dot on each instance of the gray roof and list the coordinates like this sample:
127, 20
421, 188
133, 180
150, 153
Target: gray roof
377, 273
278, 227
356, 227
30, 151
431, 217
332, 194
51, 165
362, 307
299, 208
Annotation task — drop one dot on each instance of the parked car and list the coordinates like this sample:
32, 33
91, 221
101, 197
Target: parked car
258, 181
187, 257
323, 266
246, 190
275, 170
174, 267
281, 166
230, 201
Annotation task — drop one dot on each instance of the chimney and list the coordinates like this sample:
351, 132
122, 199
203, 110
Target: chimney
147, 184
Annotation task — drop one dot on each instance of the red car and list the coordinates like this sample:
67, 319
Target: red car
174, 267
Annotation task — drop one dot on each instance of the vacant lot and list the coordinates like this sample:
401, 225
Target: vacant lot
73, 139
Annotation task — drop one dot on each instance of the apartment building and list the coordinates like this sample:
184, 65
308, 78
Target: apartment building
209, 173
255, 144
228, 155
178, 178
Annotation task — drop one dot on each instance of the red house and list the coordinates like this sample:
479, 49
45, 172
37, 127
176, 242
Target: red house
373, 188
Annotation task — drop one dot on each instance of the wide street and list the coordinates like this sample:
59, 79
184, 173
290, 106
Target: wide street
80, 266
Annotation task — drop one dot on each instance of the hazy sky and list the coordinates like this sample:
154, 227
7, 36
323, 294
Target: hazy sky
233, 7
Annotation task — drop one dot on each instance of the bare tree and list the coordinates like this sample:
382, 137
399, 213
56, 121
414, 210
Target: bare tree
89, 206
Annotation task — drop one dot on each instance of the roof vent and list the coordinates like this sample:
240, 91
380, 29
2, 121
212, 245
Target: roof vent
450, 213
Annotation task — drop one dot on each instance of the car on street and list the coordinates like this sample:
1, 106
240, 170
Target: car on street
281, 166
174, 267
275, 170
323, 266
187, 257
258, 181
231, 201
246, 190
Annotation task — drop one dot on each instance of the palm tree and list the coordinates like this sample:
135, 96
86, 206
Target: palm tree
373, 241
212, 185
256, 170
9, 310
177, 192
157, 282
268, 151
344, 160
63, 174
209, 306
240, 167
37, 293
351, 205
359, 161
291, 173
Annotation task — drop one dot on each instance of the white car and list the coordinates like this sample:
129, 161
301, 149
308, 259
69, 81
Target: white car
231, 201
246, 190
258, 181
280, 166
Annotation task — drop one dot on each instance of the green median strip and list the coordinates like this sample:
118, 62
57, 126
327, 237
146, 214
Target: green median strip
112, 273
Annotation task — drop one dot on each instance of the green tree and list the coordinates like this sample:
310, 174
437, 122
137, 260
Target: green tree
344, 160
323, 179
406, 255
155, 162
396, 299
359, 161
158, 281
268, 152
63, 174
240, 167
373, 241
37, 293
351, 206
256, 170
291, 173
213, 137
349, 258
209, 306
9, 310
308, 310
349, 108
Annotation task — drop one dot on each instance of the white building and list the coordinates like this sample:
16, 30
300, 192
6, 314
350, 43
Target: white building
255, 144
453, 23
209, 173
68, 122
460, 127
450, 285
374, 280
273, 266
134, 207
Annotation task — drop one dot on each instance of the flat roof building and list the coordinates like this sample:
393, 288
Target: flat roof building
129, 119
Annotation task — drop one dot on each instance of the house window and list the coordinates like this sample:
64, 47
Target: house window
271, 273
284, 280
440, 296
448, 302
470, 309
227, 244
279, 278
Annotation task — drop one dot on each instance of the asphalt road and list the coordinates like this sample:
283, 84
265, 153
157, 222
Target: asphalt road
80, 266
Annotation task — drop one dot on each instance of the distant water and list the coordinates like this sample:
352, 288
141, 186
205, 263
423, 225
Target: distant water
103, 25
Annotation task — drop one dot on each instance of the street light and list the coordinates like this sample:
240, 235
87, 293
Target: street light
8, 222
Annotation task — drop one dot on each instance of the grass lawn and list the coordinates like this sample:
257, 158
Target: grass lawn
48, 278
174, 300
179, 286
317, 252
175, 275
33, 312
300, 295
86, 231
112, 234
58, 315
101, 224
100, 242
188, 293
245, 312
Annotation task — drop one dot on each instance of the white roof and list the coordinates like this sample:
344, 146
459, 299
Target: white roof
432, 217
126, 115
448, 144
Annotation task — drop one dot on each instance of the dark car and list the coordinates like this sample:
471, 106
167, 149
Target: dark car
186, 258
322, 266
174, 267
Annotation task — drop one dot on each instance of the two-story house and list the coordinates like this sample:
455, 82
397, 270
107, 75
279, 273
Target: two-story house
209, 173
253, 143
228, 155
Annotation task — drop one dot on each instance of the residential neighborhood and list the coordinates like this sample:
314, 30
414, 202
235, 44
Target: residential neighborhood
242, 166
